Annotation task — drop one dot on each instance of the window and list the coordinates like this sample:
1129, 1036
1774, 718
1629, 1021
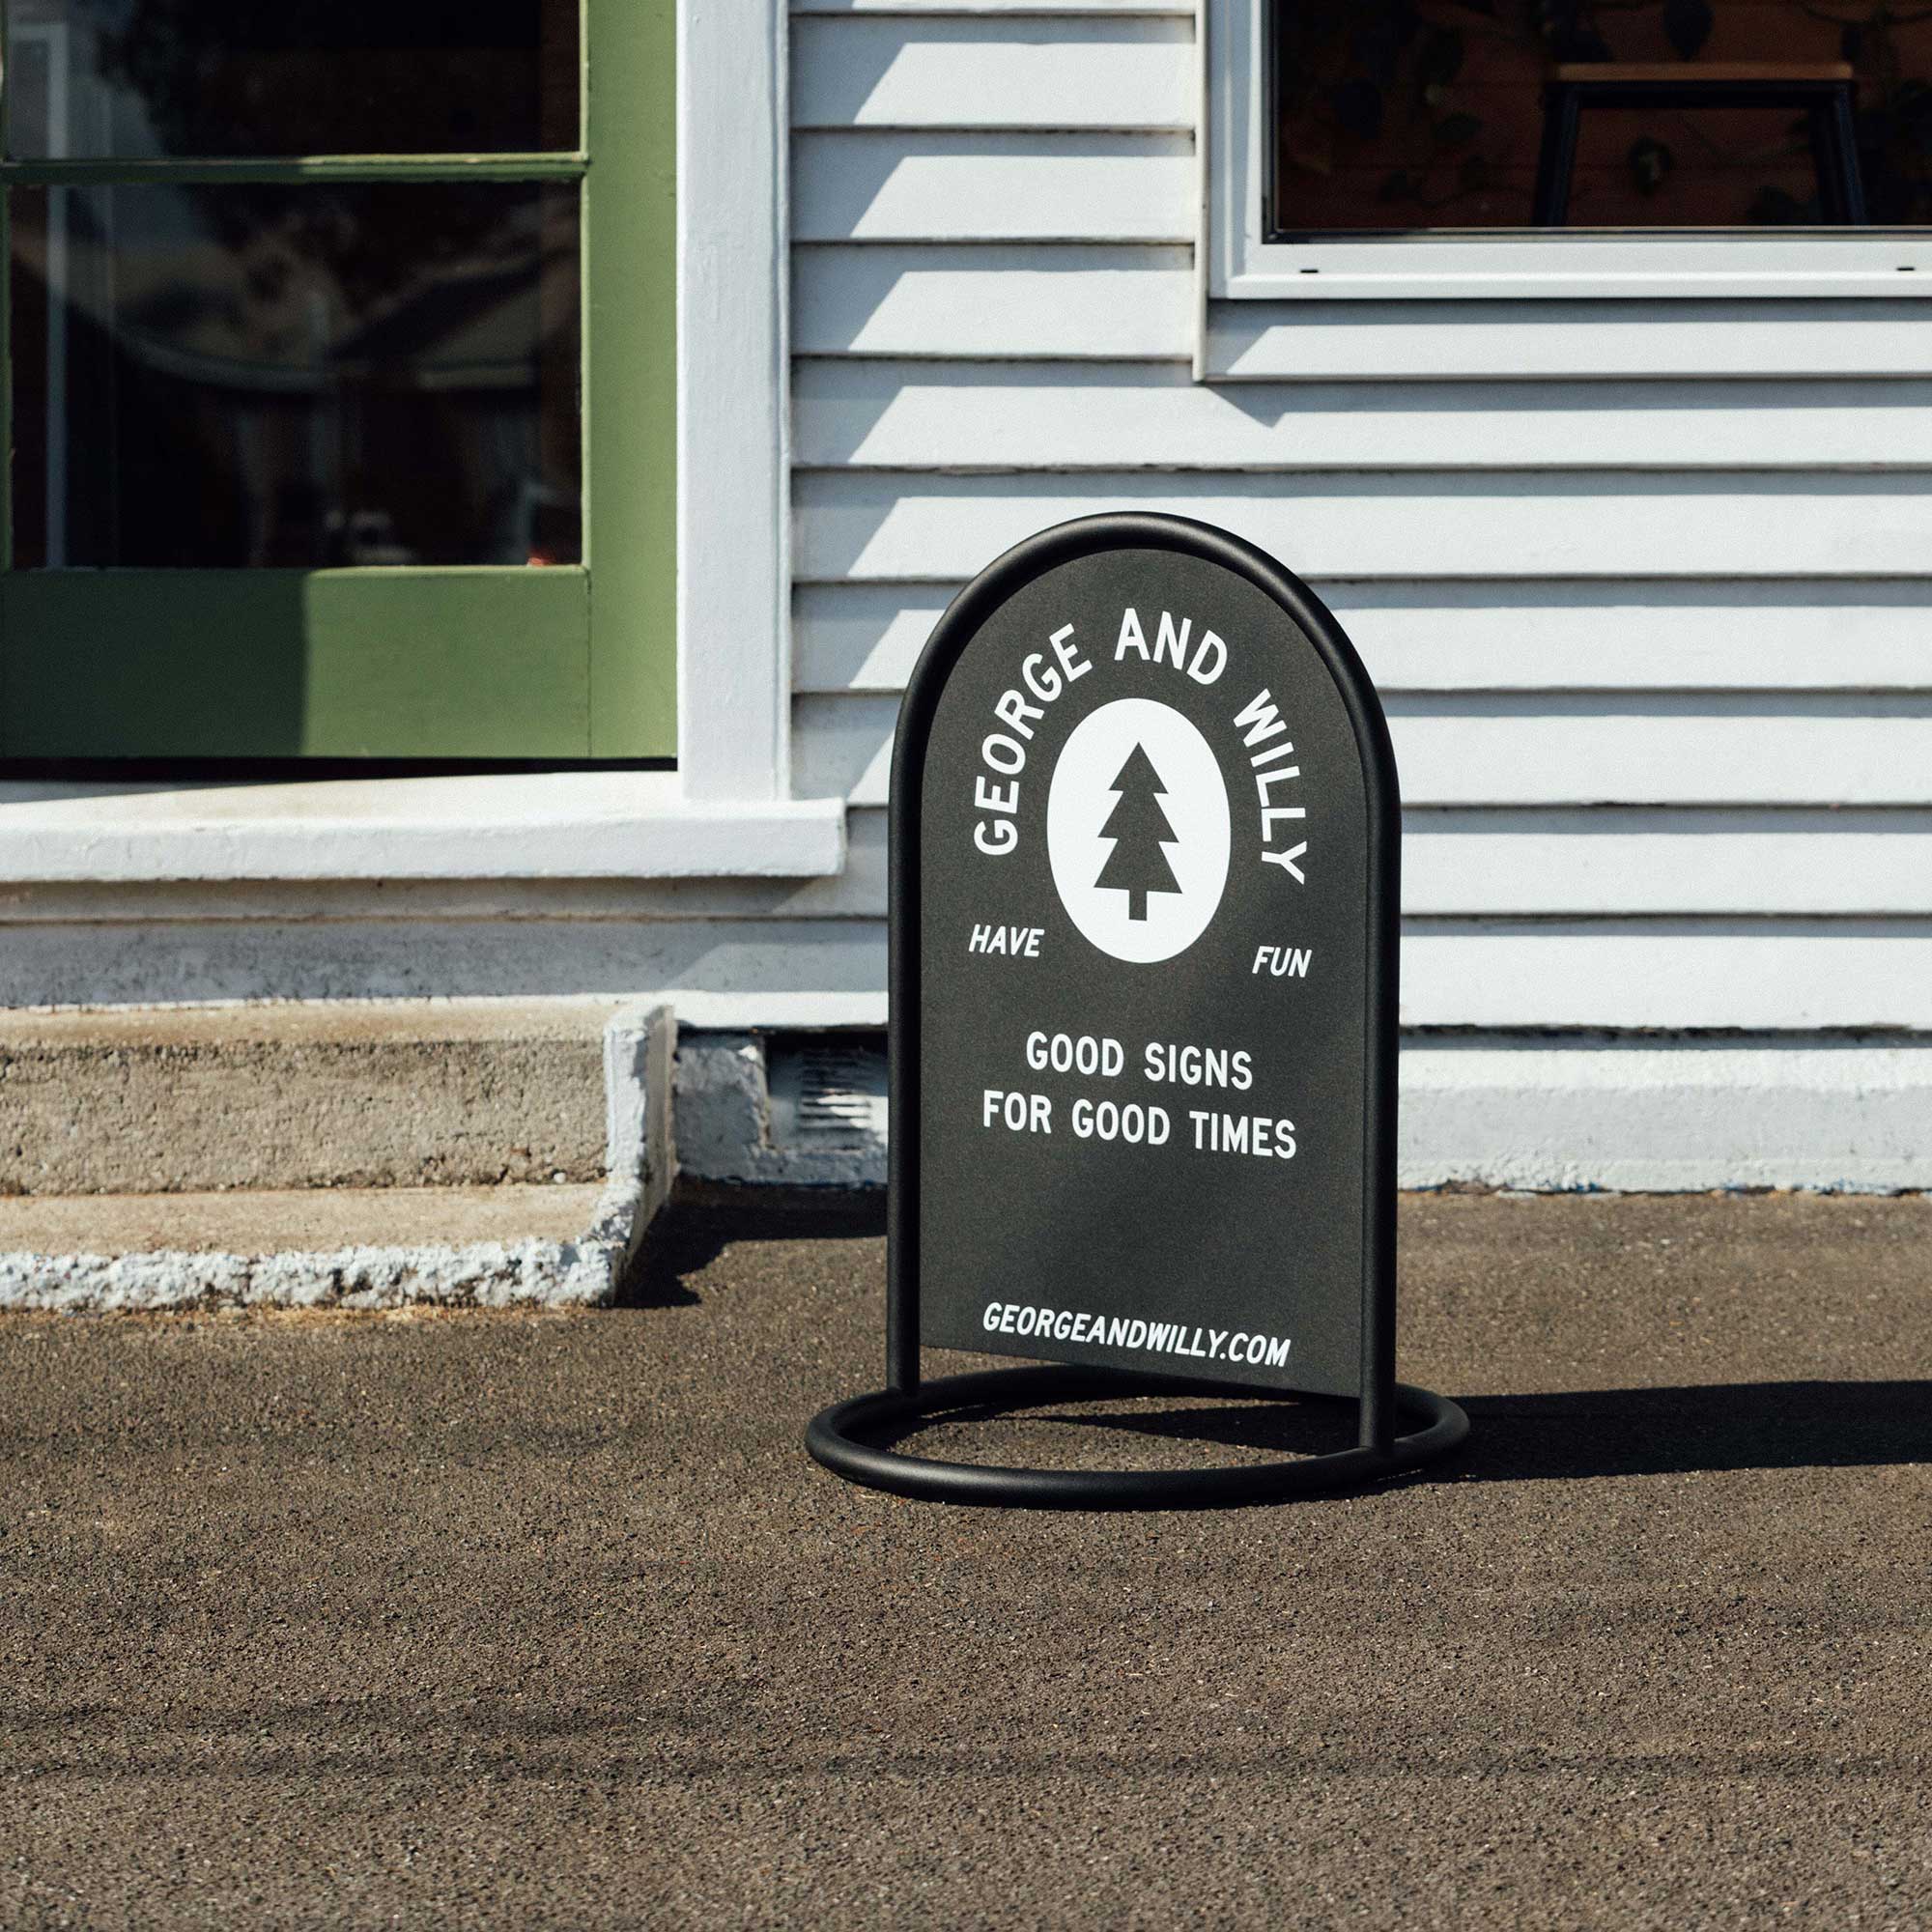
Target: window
1579, 148
306, 308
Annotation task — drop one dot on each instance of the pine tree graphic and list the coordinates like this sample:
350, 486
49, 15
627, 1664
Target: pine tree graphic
1137, 865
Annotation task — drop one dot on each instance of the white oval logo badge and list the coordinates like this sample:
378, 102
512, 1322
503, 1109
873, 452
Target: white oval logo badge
1137, 829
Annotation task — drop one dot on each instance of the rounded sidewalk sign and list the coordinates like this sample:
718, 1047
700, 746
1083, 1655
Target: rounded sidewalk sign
1145, 853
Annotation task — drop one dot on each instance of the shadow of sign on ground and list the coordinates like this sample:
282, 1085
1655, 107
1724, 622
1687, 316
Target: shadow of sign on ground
1582, 1434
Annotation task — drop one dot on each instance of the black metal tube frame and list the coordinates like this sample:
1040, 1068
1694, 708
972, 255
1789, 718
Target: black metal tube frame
838, 1437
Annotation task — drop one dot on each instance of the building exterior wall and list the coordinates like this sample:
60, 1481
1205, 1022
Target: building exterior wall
1646, 585
1642, 584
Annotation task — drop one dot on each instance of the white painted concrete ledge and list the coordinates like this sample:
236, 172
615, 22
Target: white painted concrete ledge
1615, 1113
559, 825
1657, 1116
639, 1048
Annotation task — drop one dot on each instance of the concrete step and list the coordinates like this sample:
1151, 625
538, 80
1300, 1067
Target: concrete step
271, 1221
377, 1094
274, 1156
347, 1247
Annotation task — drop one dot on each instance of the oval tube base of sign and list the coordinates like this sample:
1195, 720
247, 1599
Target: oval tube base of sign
1143, 904
838, 1439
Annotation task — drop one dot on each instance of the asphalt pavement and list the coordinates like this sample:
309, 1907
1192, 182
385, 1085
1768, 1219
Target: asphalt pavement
510, 1619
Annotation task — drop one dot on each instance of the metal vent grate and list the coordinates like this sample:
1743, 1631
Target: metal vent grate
827, 1090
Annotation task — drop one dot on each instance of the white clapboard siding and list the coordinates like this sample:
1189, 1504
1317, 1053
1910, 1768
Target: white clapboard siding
877, 71
1460, 864
864, 885
1370, 341
1721, 972
1001, 301
1645, 584
967, 417
895, 525
842, 747
901, 186
1465, 864
1859, 635
1534, 752
1621, 751
1742, 975
1034, 300
862, 637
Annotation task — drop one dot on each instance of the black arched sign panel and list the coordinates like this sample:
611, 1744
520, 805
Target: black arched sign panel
1144, 894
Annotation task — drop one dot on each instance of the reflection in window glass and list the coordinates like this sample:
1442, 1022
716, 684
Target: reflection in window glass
1428, 114
1691, 168
140, 78
306, 376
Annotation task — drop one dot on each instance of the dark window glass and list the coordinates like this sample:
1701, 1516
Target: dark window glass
313, 375
138, 79
1691, 168
1415, 115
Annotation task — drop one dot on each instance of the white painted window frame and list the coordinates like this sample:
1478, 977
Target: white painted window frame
734, 402
1243, 266
726, 812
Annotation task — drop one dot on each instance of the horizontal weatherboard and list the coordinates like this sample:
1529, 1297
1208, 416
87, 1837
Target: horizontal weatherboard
896, 525
875, 71
1740, 974
904, 187
1579, 863
1595, 340
1153, 415
1020, 300
1042, 299
1715, 634
1573, 864
1539, 750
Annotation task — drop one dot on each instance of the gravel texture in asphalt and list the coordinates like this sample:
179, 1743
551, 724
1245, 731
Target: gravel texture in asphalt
547, 1619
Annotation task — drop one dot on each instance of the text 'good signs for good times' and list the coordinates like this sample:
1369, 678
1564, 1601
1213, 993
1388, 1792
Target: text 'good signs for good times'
1147, 934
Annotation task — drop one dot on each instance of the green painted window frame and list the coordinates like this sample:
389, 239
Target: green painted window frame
473, 663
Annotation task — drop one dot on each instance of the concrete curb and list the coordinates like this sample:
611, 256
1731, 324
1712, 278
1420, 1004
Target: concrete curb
640, 1047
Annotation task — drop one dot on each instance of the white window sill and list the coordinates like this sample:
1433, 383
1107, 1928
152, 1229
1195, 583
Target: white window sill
557, 825
1636, 341
1577, 265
